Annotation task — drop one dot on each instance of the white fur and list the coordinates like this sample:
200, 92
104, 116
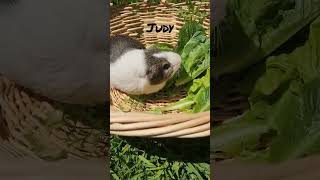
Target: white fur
128, 74
172, 57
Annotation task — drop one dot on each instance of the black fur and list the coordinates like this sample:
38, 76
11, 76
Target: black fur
158, 69
121, 44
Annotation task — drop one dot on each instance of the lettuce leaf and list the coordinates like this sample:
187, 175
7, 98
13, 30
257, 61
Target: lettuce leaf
195, 58
288, 97
252, 30
198, 98
186, 33
296, 117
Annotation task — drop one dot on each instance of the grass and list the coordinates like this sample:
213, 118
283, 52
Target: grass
139, 158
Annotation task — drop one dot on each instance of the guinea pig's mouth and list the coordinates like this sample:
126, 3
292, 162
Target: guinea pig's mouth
175, 61
172, 71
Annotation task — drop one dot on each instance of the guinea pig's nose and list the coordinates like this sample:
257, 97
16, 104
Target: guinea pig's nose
177, 61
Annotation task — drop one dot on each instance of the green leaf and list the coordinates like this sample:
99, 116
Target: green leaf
182, 104
254, 29
201, 67
161, 47
191, 168
176, 167
195, 55
198, 99
148, 163
202, 99
286, 98
279, 70
297, 119
114, 176
235, 137
186, 32
182, 78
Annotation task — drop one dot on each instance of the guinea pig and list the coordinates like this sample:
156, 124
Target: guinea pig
136, 70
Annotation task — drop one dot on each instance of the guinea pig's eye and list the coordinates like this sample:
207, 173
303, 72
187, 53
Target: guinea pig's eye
166, 66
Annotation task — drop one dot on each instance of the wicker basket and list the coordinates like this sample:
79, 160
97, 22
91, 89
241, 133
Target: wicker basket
128, 116
31, 127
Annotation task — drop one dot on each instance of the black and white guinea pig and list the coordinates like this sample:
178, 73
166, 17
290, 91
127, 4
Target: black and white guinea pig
136, 70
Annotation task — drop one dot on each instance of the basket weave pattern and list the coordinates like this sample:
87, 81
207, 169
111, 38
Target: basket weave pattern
132, 20
36, 129
128, 116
